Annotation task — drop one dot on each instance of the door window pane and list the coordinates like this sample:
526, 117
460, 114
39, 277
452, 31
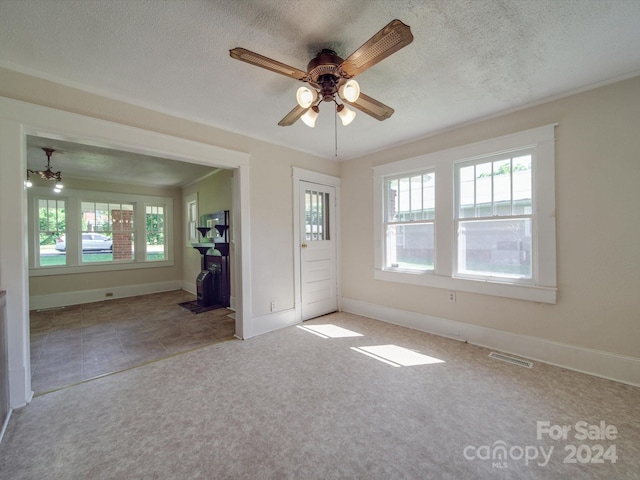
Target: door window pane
317, 215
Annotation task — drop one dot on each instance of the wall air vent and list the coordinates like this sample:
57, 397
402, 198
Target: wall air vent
510, 359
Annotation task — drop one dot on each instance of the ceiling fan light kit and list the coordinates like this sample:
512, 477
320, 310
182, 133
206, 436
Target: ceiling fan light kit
309, 117
328, 74
350, 91
346, 114
306, 97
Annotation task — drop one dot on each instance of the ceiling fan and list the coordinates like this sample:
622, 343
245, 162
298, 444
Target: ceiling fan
327, 75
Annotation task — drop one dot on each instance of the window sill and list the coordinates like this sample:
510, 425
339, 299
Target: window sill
101, 267
533, 293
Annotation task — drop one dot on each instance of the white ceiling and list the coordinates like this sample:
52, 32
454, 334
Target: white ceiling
92, 162
469, 59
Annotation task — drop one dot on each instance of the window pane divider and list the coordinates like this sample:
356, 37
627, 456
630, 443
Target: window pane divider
494, 217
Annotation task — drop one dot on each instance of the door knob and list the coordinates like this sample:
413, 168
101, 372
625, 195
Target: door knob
304, 245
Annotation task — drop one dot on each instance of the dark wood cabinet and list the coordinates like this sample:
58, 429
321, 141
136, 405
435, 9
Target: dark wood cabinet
214, 281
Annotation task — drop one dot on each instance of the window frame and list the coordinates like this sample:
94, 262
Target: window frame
457, 218
404, 222
37, 258
163, 231
191, 219
543, 285
73, 200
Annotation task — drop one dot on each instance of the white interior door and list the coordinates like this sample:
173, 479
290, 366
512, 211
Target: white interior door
318, 273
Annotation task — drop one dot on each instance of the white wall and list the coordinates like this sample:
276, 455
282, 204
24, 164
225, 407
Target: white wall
598, 232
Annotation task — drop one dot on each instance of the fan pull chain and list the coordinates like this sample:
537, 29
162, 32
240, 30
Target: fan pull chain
335, 125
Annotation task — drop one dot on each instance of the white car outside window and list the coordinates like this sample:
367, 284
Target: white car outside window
90, 242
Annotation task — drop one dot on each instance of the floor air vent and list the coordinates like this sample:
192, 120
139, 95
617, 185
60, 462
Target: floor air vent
510, 359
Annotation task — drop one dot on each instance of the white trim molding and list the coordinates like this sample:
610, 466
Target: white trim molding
607, 365
19, 119
43, 302
271, 322
298, 175
543, 285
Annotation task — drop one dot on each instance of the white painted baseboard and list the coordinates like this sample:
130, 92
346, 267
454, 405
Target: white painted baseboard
270, 322
607, 365
5, 424
40, 302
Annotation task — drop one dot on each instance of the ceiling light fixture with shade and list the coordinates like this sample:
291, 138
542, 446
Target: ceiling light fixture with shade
310, 98
47, 174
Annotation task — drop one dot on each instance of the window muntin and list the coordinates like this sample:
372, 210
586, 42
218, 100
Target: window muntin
494, 217
51, 232
410, 222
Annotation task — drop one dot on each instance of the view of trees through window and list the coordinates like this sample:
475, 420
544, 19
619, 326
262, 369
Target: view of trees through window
107, 232
51, 225
155, 232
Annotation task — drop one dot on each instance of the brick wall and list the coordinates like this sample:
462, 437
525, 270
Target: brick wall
122, 234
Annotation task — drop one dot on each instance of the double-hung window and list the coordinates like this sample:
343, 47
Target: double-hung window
86, 231
487, 226
494, 216
107, 231
51, 232
409, 220
155, 231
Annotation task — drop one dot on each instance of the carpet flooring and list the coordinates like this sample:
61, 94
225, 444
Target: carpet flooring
344, 397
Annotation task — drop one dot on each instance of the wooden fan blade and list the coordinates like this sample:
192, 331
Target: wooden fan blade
370, 106
266, 62
390, 39
293, 116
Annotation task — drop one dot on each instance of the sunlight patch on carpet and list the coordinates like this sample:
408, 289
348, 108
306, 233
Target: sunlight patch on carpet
397, 356
329, 331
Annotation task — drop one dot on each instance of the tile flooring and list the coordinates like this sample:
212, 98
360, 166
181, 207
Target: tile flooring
80, 342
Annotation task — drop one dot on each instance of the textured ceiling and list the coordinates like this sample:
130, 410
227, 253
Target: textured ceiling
468, 60
91, 162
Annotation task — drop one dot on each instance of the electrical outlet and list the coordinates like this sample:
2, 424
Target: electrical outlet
273, 306
452, 297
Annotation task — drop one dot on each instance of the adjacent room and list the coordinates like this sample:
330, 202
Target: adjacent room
294, 239
134, 214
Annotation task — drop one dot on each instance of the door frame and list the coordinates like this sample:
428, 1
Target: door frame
19, 119
300, 174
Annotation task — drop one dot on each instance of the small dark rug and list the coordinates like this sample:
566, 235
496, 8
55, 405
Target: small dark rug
195, 307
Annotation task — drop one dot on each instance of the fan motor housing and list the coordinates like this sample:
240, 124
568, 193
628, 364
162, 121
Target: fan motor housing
323, 70
325, 63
